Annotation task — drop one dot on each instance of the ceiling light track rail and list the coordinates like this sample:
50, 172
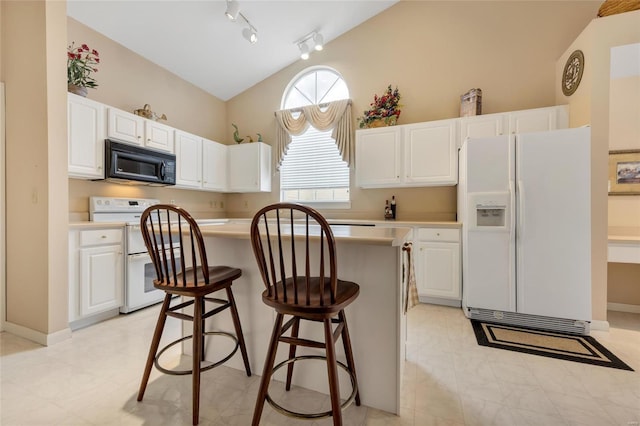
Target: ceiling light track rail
312, 41
233, 12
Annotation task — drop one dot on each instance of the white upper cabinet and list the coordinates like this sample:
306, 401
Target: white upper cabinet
430, 153
482, 126
379, 157
158, 136
525, 121
249, 167
134, 129
125, 126
539, 120
85, 134
188, 160
422, 154
214, 166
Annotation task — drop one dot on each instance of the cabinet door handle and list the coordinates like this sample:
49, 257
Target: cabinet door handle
103, 236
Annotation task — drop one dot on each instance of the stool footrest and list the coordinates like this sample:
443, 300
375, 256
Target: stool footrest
156, 360
321, 415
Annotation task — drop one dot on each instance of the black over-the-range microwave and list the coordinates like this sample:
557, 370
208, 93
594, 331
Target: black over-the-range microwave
126, 163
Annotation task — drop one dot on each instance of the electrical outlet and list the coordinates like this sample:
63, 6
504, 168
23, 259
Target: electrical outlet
246, 204
222, 204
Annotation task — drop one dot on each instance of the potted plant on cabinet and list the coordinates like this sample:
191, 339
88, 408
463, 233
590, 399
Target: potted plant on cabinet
81, 63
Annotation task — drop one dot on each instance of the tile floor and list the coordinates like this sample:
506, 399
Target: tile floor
92, 379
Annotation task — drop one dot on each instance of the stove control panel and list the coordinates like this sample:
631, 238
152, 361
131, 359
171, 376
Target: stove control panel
119, 205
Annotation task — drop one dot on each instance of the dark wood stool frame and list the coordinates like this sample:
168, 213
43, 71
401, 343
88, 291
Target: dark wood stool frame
163, 226
310, 297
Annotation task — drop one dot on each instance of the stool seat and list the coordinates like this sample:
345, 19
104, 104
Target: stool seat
176, 247
345, 294
219, 278
299, 269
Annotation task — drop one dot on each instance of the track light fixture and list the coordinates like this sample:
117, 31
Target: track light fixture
250, 34
314, 39
318, 42
304, 51
233, 9
233, 12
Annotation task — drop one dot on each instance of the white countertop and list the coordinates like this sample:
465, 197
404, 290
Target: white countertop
357, 222
371, 235
95, 225
624, 244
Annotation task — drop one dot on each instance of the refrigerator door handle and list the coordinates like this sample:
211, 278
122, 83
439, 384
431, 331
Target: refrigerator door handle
512, 214
520, 192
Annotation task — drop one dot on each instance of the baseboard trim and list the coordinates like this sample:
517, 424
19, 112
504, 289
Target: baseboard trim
440, 301
37, 336
623, 307
599, 325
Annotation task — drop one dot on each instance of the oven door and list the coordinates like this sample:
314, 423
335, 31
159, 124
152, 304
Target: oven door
140, 291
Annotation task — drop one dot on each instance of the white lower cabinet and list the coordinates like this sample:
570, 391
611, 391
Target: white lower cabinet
96, 274
437, 263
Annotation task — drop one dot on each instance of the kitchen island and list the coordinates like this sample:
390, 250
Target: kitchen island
369, 256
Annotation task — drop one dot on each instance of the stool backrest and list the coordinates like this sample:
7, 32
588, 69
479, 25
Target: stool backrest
281, 257
170, 233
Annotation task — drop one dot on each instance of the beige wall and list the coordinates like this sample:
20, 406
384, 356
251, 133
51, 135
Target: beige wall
36, 151
623, 280
434, 52
590, 105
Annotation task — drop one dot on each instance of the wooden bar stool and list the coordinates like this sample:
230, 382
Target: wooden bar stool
296, 288
168, 230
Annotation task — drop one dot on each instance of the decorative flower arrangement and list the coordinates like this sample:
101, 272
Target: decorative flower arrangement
81, 62
385, 108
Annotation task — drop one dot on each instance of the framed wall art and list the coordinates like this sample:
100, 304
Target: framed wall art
624, 172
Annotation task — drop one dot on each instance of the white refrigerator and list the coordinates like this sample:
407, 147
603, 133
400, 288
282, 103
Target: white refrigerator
525, 204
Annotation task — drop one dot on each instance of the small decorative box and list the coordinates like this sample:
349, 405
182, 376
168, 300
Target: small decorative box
471, 103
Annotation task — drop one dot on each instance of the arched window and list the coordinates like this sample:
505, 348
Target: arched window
312, 170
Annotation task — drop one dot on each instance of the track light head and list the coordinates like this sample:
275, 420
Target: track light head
304, 51
233, 9
250, 34
318, 41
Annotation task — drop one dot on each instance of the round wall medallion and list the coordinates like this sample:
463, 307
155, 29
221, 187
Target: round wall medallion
572, 73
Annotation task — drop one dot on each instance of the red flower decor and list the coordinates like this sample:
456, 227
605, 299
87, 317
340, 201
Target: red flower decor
385, 107
81, 62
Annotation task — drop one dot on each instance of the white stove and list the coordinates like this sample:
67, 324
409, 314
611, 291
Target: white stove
139, 270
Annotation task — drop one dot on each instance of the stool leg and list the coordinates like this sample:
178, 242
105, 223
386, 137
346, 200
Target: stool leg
332, 369
238, 327
197, 352
346, 341
155, 342
292, 352
268, 370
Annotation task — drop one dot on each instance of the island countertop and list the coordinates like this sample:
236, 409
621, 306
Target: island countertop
371, 235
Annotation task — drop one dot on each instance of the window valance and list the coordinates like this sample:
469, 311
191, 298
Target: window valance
336, 116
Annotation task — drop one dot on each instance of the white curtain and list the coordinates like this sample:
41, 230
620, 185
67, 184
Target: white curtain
337, 116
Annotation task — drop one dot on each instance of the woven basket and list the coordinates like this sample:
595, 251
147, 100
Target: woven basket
612, 7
